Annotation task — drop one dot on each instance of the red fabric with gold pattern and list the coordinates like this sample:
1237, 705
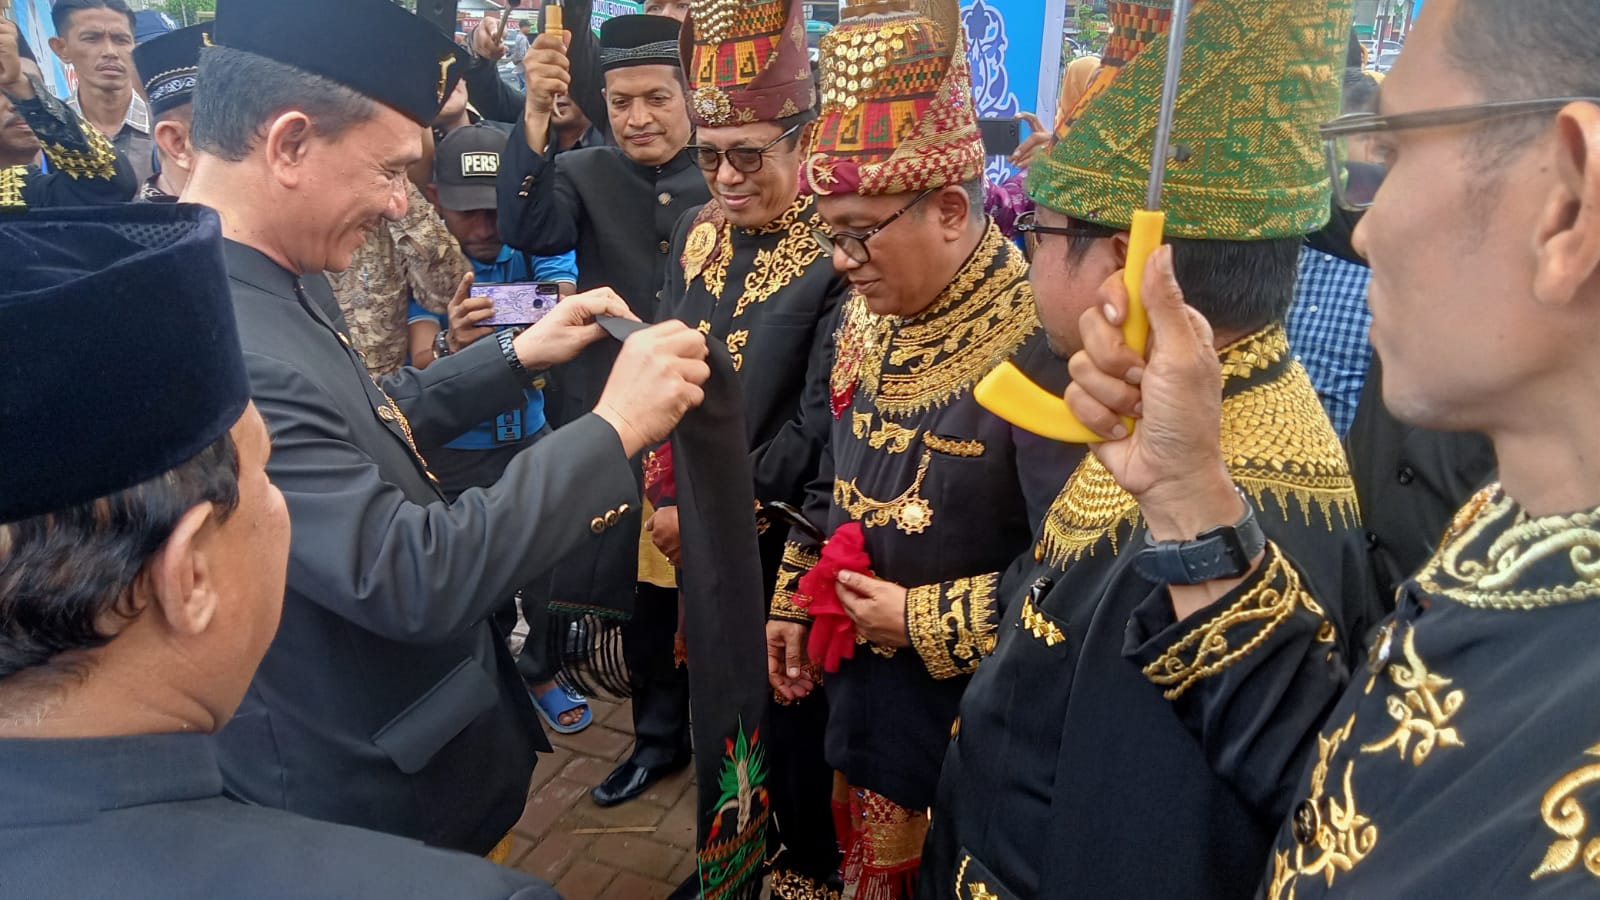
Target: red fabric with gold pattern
897, 110
746, 61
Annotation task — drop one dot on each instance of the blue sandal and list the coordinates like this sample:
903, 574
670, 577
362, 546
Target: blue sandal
558, 702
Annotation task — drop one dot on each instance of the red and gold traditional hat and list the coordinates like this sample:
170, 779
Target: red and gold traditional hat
897, 110
746, 61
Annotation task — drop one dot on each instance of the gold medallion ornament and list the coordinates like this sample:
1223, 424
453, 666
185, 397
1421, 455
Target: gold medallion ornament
697, 249
712, 104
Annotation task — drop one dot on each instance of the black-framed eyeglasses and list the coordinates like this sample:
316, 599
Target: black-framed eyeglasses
746, 160
1028, 227
1356, 181
854, 243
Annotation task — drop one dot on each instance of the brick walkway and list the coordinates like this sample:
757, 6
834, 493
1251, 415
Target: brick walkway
640, 850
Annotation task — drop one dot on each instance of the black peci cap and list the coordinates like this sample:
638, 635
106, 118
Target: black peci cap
122, 356
639, 41
373, 47
169, 66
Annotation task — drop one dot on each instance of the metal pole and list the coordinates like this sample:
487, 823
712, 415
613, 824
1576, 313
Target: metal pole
1177, 37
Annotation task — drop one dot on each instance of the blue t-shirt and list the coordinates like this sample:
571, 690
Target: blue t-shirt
516, 425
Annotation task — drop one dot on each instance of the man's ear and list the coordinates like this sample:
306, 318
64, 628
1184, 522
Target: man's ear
181, 575
1119, 246
954, 208
1567, 241
59, 47
288, 143
173, 138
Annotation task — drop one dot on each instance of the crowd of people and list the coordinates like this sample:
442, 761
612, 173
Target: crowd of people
312, 522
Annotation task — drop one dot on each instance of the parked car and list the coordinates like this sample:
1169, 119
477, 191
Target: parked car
1386, 61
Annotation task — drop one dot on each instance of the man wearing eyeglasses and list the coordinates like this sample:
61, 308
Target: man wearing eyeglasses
1461, 759
1093, 754
945, 494
750, 274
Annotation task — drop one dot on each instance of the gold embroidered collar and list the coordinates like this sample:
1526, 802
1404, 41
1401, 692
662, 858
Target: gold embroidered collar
1497, 557
1275, 438
708, 253
911, 365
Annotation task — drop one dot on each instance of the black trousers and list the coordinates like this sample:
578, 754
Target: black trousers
660, 686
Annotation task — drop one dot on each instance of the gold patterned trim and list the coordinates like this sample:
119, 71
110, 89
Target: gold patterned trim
788, 885
1332, 825
1267, 600
736, 342
773, 270
1423, 712
1040, 625
797, 561
910, 512
1276, 440
1564, 814
889, 437
953, 446
1495, 557
907, 366
952, 625
12, 181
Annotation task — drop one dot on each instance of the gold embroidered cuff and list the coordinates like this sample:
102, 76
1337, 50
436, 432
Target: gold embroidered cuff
790, 885
952, 625
1265, 600
797, 561
98, 161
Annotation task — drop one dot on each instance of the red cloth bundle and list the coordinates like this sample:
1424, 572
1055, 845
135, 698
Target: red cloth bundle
833, 633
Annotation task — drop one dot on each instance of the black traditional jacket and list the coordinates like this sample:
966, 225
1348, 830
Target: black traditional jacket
772, 297
1463, 758
947, 494
86, 169
1066, 752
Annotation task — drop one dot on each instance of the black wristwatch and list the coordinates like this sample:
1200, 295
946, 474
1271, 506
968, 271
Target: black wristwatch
1222, 552
441, 345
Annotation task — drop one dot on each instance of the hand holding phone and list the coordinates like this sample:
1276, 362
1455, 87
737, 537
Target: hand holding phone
521, 304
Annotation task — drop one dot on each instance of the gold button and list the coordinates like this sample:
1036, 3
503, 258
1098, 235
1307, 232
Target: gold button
624, 509
527, 182
597, 525
612, 518
665, 247
665, 199
386, 414
344, 340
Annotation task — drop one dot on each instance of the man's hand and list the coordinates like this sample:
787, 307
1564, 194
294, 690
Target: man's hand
488, 41
548, 72
569, 328
877, 607
663, 528
1173, 461
1038, 138
13, 78
465, 312
790, 673
657, 378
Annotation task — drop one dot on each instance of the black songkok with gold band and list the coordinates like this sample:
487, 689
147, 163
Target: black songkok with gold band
373, 47
169, 66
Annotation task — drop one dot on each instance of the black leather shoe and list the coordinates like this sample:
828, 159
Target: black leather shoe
630, 779
688, 890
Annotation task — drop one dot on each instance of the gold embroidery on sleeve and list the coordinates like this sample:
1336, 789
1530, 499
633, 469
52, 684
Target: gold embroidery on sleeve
797, 561
1565, 815
1422, 712
952, 625
12, 179
1208, 650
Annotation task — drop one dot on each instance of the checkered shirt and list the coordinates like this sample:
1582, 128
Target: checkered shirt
1328, 327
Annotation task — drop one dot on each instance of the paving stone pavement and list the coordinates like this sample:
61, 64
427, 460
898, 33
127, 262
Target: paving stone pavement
640, 850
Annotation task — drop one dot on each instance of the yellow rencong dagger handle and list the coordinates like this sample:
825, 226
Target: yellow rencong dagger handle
1009, 394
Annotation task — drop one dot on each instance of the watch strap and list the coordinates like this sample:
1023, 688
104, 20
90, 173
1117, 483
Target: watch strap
1223, 552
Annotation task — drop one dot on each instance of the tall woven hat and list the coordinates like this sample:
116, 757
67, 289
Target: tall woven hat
746, 61
1246, 163
897, 110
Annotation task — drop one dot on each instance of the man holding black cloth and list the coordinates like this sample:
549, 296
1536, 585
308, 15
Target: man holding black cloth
388, 699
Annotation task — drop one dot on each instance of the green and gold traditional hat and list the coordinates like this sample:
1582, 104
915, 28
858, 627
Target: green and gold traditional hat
746, 61
1259, 76
897, 110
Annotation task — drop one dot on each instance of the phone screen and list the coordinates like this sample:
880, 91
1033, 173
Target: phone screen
523, 303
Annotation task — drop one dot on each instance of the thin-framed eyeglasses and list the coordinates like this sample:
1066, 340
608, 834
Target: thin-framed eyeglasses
854, 243
745, 160
1356, 184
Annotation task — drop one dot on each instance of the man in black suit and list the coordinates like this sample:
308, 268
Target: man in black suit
143, 580
388, 699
